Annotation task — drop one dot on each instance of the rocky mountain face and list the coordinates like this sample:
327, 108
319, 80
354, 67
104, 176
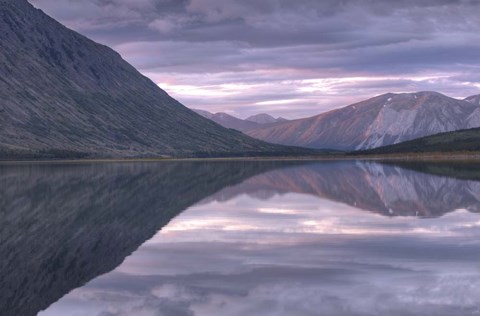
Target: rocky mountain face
64, 95
246, 125
264, 118
383, 120
475, 99
462, 141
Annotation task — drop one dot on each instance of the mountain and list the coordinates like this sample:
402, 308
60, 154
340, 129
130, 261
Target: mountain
475, 99
457, 141
264, 118
63, 95
228, 121
246, 125
383, 120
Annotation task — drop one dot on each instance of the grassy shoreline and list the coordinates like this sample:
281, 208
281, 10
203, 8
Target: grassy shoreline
437, 157
431, 156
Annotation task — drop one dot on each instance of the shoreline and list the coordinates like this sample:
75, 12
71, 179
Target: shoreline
433, 157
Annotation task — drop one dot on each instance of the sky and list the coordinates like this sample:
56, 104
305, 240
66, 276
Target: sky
290, 58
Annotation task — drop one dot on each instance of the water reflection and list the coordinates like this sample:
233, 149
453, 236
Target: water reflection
262, 238
62, 225
389, 190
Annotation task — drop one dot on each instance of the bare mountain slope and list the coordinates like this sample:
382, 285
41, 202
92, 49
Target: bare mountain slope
462, 141
62, 94
475, 99
383, 120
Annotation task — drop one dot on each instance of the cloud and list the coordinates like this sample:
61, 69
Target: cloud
261, 43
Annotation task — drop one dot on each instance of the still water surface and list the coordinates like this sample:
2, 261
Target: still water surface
240, 238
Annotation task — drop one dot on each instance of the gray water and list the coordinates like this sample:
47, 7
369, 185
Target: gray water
240, 238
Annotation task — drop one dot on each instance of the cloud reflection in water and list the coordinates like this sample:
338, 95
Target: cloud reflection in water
251, 251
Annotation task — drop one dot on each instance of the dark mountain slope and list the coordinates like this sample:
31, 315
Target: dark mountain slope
62, 94
383, 120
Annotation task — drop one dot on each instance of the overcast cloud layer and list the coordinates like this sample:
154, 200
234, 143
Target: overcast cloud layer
290, 58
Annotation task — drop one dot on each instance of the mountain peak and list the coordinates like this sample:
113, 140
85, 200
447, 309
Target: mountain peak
418, 94
427, 93
264, 118
379, 121
227, 120
474, 99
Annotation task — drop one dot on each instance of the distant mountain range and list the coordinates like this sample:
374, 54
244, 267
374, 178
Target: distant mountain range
383, 120
248, 124
264, 118
63, 95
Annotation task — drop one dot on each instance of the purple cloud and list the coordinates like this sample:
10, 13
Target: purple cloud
288, 58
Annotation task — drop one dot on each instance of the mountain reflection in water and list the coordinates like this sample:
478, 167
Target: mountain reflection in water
257, 238
64, 224
385, 189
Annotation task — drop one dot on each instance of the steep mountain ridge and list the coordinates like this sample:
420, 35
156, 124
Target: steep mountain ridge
382, 120
62, 94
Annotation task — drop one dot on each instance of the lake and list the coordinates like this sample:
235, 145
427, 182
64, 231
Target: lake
240, 238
